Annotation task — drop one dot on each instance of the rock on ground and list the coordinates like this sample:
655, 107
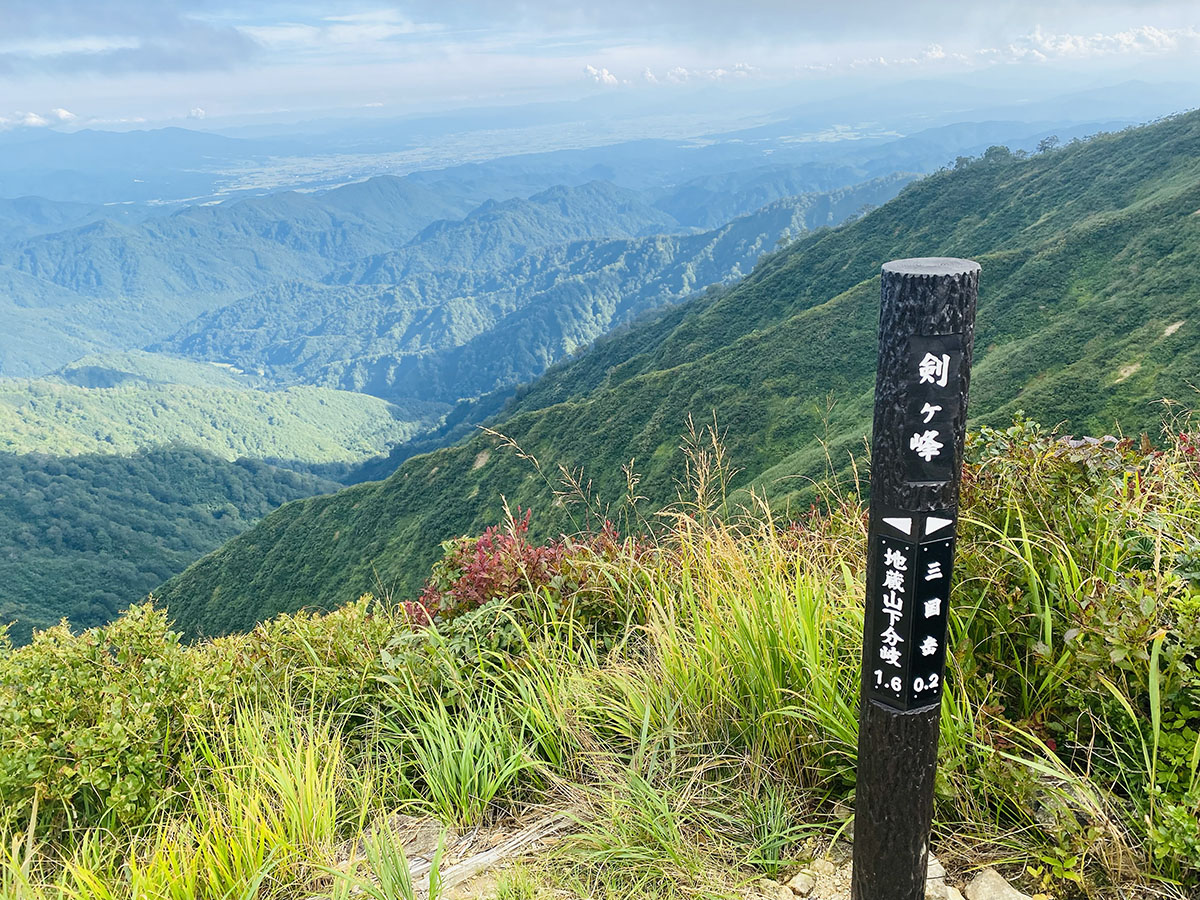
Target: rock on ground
802, 885
990, 885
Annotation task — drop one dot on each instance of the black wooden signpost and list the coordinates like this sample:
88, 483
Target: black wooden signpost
926, 326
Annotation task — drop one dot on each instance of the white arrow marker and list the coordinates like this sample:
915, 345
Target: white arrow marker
933, 523
899, 524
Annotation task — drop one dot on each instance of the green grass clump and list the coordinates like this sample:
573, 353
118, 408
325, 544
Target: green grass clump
699, 735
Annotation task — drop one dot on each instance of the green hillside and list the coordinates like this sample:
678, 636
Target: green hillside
114, 282
119, 403
498, 233
447, 333
123, 468
79, 536
1088, 315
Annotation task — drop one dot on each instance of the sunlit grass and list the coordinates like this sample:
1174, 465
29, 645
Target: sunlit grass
709, 734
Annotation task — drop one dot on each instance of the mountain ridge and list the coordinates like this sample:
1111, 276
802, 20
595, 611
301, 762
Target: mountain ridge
786, 359
458, 332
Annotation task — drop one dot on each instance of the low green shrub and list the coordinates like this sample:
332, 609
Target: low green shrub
92, 724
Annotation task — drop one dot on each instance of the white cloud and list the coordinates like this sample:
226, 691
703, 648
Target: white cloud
1039, 46
1142, 40
359, 30
601, 76
247, 59
375, 15
69, 37
29, 119
196, 112
36, 48
682, 74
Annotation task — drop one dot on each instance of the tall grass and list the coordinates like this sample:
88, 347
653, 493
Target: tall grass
700, 720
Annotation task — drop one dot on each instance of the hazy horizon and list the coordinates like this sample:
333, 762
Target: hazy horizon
67, 65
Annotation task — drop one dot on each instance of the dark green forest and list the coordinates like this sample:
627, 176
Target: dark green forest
1087, 319
80, 536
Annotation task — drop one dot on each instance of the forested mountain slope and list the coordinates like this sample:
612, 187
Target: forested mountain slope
123, 283
451, 332
80, 535
1088, 315
119, 403
78, 278
498, 233
25, 217
444, 334
122, 468
231, 247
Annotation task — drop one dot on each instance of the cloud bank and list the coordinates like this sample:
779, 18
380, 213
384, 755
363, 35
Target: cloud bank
117, 36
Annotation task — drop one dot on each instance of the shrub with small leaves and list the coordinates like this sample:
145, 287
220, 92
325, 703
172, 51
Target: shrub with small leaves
570, 576
92, 723
328, 660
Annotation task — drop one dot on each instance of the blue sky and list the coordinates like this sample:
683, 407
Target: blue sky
75, 63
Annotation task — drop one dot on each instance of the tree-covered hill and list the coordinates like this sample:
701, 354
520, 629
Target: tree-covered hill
26, 217
218, 250
120, 403
122, 468
497, 234
485, 328
1088, 316
115, 284
79, 536
128, 282
42, 322
452, 332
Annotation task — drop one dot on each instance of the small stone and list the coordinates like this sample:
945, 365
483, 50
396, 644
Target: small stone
990, 885
935, 869
935, 880
802, 885
774, 890
823, 866
952, 893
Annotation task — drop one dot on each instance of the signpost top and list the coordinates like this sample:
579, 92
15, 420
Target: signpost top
931, 265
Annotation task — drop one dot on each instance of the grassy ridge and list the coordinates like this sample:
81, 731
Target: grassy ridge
1087, 316
692, 700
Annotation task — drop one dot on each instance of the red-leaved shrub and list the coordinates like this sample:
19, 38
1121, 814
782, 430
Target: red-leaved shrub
502, 563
